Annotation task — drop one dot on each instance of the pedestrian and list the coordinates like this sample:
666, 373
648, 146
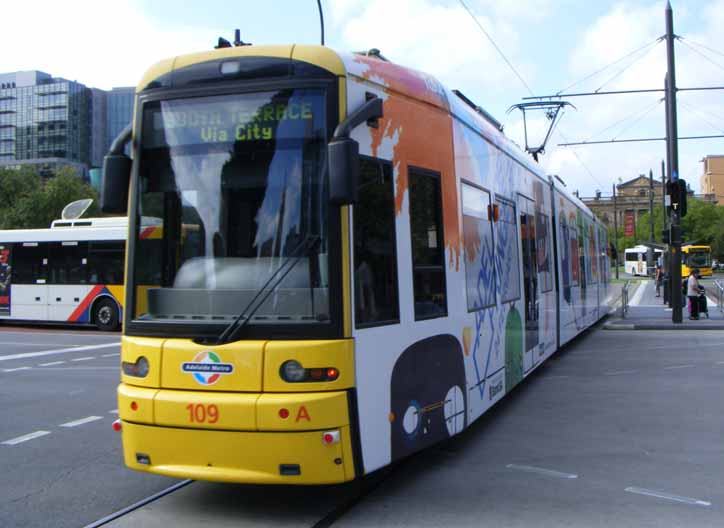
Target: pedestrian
659, 278
692, 292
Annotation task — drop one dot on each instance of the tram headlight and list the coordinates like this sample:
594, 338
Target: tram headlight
292, 371
139, 369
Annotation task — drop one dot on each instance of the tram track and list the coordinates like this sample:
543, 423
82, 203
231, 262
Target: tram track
357, 491
137, 505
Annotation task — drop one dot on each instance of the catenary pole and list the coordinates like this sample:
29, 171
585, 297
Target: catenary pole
615, 226
672, 141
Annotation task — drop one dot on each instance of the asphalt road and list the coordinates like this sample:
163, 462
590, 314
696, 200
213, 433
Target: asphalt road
619, 429
61, 463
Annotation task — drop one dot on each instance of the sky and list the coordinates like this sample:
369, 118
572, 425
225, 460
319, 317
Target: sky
550, 43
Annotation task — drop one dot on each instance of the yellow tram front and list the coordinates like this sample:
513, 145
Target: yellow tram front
237, 358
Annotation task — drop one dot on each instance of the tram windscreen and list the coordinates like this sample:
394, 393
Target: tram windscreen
239, 185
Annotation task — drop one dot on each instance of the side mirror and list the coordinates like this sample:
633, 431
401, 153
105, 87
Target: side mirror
343, 153
343, 156
116, 178
116, 175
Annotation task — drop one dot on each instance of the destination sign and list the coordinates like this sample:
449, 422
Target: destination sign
250, 117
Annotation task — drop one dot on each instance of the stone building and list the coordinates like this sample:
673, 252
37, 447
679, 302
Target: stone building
712, 180
632, 201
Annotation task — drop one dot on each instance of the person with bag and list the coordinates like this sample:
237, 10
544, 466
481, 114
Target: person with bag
659, 278
692, 292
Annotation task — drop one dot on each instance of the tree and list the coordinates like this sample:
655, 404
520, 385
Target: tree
31, 202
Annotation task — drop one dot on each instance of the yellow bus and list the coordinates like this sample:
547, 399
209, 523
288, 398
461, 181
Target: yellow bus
373, 265
695, 256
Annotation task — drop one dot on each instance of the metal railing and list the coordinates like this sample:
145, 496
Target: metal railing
719, 294
624, 298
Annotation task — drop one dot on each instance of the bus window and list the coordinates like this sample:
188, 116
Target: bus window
67, 263
507, 251
478, 244
375, 262
30, 263
105, 262
428, 253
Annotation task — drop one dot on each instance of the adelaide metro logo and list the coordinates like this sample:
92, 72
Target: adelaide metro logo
207, 367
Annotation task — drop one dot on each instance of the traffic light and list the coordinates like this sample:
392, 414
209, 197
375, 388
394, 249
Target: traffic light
677, 191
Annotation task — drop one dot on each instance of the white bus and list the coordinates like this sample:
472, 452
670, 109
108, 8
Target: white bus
635, 260
71, 272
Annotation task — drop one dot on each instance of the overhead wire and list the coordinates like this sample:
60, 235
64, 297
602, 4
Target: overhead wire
601, 70
695, 43
701, 116
518, 75
692, 48
639, 119
623, 70
500, 52
620, 121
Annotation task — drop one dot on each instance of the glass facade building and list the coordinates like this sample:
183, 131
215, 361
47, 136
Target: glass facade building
47, 121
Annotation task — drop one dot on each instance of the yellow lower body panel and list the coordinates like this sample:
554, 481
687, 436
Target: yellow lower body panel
238, 456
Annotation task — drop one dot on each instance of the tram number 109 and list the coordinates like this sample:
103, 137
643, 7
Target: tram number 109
200, 413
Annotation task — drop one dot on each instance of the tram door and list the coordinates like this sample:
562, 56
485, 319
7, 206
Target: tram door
526, 211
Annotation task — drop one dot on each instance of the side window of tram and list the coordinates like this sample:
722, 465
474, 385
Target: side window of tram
478, 244
30, 263
428, 246
375, 262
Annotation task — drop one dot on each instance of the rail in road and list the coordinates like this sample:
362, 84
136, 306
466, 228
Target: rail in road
619, 428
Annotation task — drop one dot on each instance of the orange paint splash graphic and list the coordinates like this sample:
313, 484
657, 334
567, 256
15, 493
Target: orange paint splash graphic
417, 115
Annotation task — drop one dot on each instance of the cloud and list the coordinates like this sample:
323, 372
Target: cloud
439, 38
625, 27
99, 45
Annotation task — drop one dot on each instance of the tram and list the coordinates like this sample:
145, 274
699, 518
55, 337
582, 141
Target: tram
372, 265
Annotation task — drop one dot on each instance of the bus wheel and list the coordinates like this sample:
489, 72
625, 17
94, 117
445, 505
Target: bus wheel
105, 315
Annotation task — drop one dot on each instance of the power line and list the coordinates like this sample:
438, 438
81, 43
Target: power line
496, 46
692, 48
634, 140
693, 42
610, 65
638, 120
630, 116
701, 116
621, 72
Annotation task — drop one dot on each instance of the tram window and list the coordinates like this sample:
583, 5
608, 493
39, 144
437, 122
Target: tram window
428, 246
375, 261
507, 252
68, 263
542, 237
478, 244
30, 263
105, 262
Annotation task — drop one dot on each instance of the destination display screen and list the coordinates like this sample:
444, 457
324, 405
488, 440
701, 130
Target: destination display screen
265, 117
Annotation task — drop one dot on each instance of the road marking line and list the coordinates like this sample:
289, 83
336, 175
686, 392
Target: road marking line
616, 372
114, 411
720, 362
58, 351
87, 358
76, 369
16, 369
82, 421
542, 471
51, 363
678, 367
25, 438
639, 294
112, 355
18, 343
662, 495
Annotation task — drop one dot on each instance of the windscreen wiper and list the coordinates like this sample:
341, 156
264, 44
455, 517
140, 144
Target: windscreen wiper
231, 331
